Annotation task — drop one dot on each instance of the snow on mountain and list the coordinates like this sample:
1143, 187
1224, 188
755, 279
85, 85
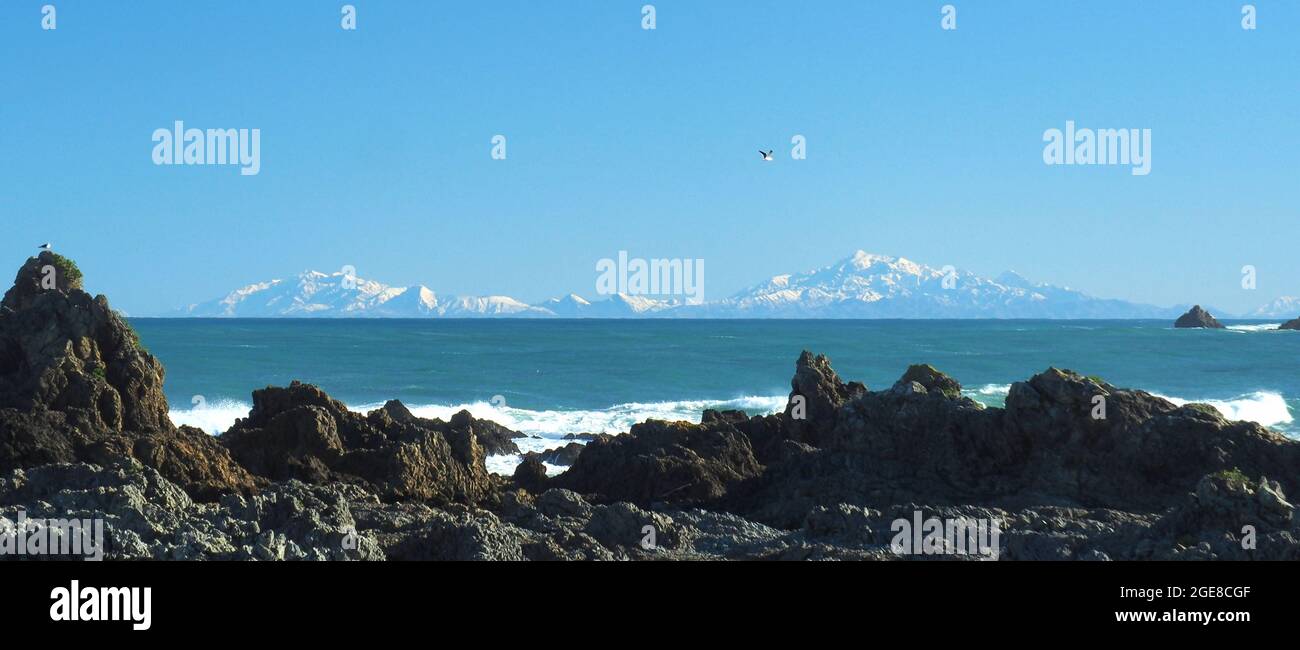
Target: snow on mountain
1285, 307
314, 294
862, 285
570, 306
621, 305
489, 306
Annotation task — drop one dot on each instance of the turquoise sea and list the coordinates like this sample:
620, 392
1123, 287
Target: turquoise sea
552, 377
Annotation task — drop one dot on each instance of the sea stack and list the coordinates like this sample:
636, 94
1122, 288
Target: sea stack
1293, 324
76, 386
1197, 317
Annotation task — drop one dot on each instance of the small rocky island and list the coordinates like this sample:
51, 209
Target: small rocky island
1293, 324
84, 433
1197, 317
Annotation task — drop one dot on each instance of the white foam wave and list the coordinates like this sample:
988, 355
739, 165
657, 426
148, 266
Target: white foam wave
1265, 327
1262, 407
549, 426
213, 418
614, 419
989, 394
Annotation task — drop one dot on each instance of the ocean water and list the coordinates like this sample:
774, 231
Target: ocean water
549, 378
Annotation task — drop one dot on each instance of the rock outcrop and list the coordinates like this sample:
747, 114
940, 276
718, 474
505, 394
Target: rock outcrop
146, 517
1197, 317
1293, 324
562, 456
530, 474
76, 385
1062, 439
816, 393
929, 378
299, 432
61, 350
658, 461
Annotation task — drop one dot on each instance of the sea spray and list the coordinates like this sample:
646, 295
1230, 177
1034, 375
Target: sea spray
1267, 408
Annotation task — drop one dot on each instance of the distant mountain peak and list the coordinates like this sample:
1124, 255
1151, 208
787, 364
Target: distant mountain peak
1013, 279
1282, 307
867, 285
862, 259
570, 299
862, 285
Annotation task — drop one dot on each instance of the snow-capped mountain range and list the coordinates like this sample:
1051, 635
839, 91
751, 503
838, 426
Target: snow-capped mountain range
859, 286
1285, 307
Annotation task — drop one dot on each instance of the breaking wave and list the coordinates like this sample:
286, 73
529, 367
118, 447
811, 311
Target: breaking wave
549, 426
1263, 407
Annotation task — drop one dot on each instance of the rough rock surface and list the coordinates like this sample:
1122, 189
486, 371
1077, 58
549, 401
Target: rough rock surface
819, 392
1293, 324
656, 461
299, 432
147, 517
76, 385
1197, 317
1045, 447
62, 350
562, 456
931, 380
530, 474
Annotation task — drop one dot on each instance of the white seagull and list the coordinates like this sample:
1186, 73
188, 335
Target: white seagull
47, 246
767, 155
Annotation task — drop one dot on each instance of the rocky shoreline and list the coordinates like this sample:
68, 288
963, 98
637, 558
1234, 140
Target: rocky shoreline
1072, 468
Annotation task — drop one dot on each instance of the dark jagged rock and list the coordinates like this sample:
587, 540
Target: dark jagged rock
1293, 324
61, 350
299, 432
820, 394
1143, 452
1197, 317
732, 417
676, 462
76, 385
562, 456
932, 380
300, 443
1214, 521
1045, 448
496, 439
147, 517
530, 475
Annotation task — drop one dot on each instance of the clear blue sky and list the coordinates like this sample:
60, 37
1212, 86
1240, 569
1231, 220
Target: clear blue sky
921, 143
